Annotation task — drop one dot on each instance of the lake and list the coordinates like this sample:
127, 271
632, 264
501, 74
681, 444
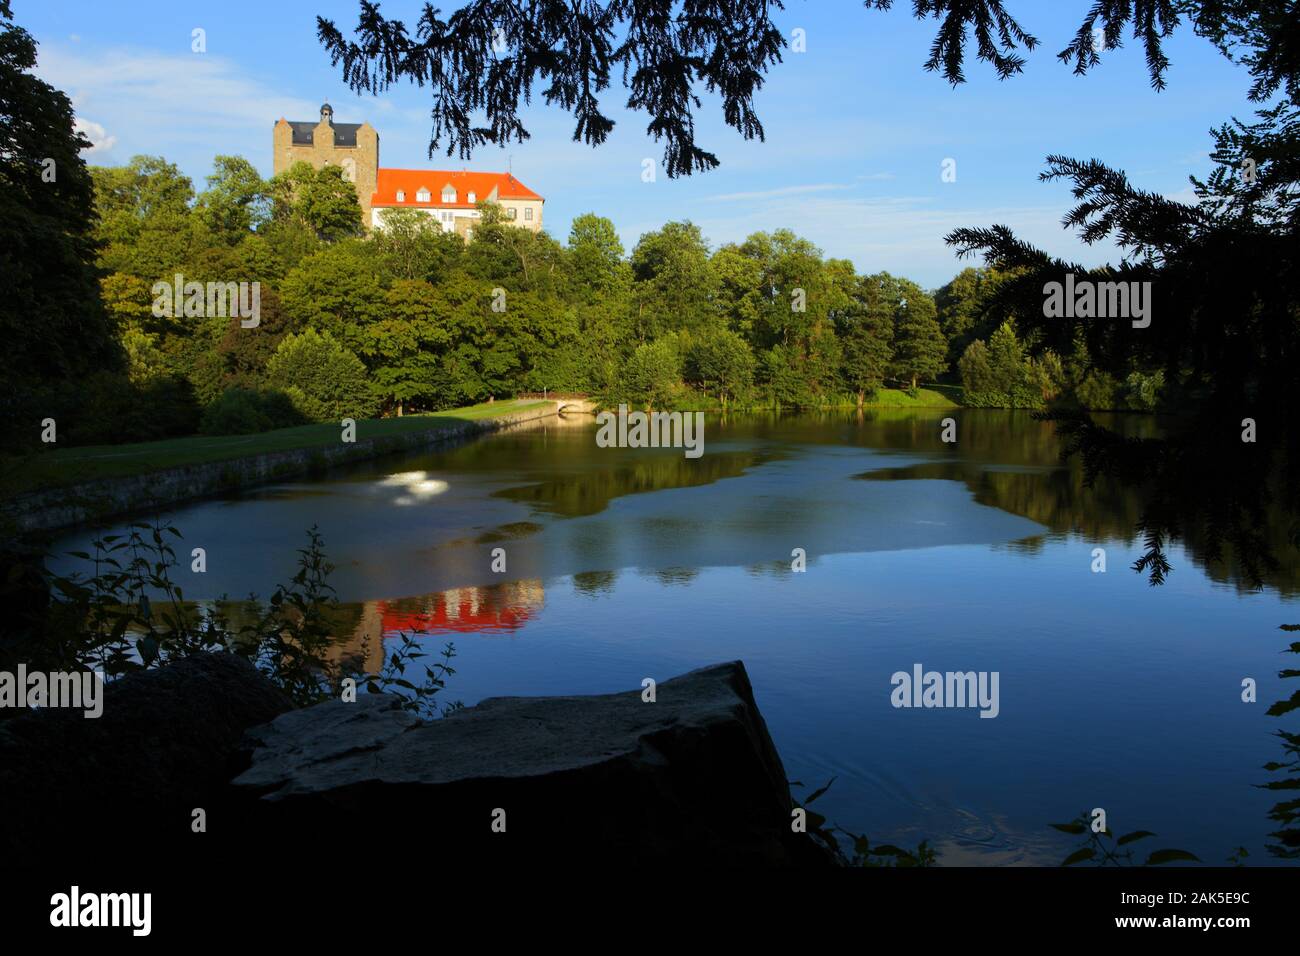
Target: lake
978, 556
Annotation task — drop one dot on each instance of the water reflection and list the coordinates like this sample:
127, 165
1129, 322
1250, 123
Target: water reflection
494, 609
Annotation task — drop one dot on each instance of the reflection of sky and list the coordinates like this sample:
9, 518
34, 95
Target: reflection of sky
1113, 694
403, 530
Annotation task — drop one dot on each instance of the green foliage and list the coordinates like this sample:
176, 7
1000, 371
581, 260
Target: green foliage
243, 411
673, 282
866, 331
1286, 839
325, 381
1102, 848
653, 374
720, 361
413, 246
920, 349
862, 853
52, 320
236, 201
320, 199
126, 613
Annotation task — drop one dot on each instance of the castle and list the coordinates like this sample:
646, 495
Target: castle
448, 196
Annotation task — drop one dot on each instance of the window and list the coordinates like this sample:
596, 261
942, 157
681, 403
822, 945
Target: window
510, 213
401, 195
423, 195
472, 200
448, 193
528, 214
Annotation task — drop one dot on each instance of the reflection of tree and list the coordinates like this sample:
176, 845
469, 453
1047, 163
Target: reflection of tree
670, 576
589, 493
593, 583
1287, 813
1019, 469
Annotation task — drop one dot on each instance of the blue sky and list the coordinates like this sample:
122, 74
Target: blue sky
856, 129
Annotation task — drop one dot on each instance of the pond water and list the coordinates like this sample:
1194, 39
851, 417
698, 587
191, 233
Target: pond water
978, 556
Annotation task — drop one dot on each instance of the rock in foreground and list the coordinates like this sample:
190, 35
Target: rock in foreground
692, 777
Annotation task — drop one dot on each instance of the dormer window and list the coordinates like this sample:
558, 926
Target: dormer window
448, 193
401, 195
423, 195
472, 200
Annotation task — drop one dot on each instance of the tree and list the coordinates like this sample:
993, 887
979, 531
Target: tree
1226, 349
866, 330
672, 282
337, 290
402, 347
414, 246
976, 370
920, 350
326, 382
1006, 359
654, 372
595, 252
720, 360
146, 226
667, 52
236, 201
53, 322
320, 199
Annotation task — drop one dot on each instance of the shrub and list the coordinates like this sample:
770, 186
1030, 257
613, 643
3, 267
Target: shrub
324, 380
244, 411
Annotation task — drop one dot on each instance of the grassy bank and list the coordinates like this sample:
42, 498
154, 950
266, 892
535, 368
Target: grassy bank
57, 467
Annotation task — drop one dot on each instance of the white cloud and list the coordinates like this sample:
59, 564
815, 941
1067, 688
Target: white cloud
100, 141
781, 191
159, 103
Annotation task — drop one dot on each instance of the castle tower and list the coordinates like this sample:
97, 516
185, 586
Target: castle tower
352, 146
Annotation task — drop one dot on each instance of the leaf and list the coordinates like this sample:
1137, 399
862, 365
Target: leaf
1170, 856
1135, 835
818, 793
1078, 856
1075, 828
888, 849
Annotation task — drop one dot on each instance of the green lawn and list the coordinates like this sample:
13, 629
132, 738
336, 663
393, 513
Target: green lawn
66, 466
925, 398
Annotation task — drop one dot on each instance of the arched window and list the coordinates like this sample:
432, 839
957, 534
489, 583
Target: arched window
448, 193
423, 195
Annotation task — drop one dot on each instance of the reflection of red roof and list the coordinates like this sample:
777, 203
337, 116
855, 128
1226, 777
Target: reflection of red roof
411, 181
461, 617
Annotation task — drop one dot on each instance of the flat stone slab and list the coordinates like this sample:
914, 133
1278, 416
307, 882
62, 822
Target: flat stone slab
692, 775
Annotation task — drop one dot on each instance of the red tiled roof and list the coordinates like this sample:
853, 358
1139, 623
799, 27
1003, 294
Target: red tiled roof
411, 181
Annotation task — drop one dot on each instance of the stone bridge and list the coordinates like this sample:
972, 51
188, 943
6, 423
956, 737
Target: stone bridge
566, 403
